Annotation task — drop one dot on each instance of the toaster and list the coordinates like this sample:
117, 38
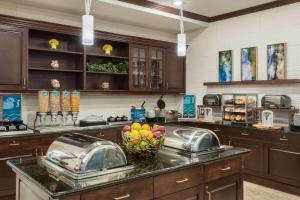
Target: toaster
276, 102
212, 100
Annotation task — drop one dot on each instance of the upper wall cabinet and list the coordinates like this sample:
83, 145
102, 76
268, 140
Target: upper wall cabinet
138, 68
13, 57
156, 72
174, 72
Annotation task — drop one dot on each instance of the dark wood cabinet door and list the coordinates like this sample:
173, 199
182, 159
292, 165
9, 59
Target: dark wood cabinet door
138, 68
156, 68
195, 193
174, 72
229, 188
254, 163
13, 56
284, 163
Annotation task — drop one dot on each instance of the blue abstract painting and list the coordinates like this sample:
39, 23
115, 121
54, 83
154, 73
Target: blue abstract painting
276, 61
225, 66
12, 107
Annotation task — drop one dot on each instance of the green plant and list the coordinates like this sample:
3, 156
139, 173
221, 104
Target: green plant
112, 67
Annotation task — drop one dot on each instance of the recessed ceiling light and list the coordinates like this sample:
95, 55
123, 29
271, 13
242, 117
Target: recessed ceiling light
178, 3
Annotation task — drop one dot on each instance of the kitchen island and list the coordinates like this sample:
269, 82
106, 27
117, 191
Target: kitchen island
169, 175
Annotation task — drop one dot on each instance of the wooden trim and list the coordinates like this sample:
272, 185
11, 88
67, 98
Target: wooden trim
258, 82
266, 6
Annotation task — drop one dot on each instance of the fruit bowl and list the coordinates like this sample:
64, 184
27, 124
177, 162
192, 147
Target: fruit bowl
143, 140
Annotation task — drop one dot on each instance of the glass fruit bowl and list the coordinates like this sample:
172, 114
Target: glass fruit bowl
143, 140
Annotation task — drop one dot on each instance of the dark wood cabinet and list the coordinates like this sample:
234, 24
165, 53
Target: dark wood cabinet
195, 193
227, 188
146, 68
174, 72
138, 68
141, 189
156, 68
13, 56
254, 162
284, 163
177, 181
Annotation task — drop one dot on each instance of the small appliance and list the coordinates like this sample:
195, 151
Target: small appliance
276, 102
212, 100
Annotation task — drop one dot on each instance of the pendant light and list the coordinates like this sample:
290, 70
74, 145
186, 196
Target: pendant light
181, 38
88, 25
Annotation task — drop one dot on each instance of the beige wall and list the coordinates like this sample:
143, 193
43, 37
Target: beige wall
100, 105
258, 29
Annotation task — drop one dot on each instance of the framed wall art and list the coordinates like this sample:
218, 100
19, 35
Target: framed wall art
249, 64
225, 66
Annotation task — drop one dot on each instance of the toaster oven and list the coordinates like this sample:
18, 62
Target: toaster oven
212, 100
276, 102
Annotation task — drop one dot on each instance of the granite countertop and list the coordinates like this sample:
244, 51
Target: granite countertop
164, 162
240, 126
54, 130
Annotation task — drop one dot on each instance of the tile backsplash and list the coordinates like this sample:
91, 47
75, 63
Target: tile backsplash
100, 105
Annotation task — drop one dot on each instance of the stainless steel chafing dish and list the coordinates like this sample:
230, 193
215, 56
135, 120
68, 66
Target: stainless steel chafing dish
78, 156
190, 139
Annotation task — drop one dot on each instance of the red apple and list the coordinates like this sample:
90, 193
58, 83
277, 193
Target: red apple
126, 128
157, 133
161, 129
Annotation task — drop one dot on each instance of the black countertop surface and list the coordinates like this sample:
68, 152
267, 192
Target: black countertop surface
164, 162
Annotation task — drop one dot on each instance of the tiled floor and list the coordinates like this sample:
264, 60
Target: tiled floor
256, 192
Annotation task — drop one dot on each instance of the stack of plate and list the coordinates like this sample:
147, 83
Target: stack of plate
297, 119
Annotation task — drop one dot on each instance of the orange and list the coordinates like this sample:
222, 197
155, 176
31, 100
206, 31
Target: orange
150, 135
146, 127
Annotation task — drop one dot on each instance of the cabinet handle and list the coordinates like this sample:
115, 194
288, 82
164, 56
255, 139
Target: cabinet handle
167, 85
182, 181
244, 134
226, 169
123, 197
209, 195
14, 144
24, 82
284, 139
217, 130
100, 135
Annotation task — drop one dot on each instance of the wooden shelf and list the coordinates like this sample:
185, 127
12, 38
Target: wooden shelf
291, 110
107, 73
106, 56
54, 51
55, 70
259, 82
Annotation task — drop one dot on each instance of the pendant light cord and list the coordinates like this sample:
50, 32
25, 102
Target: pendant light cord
88, 4
181, 21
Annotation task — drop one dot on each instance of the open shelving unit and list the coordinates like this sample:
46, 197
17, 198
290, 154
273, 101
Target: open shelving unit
73, 57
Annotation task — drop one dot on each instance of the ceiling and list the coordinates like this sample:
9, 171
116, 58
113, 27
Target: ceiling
212, 8
114, 11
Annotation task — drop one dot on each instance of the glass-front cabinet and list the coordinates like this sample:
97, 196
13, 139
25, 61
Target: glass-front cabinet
146, 68
156, 79
138, 74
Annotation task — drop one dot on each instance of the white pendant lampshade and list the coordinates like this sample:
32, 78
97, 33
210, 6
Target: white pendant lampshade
181, 38
181, 44
87, 25
87, 30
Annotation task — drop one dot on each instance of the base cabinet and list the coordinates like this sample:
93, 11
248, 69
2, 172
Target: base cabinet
284, 163
195, 193
254, 162
228, 188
